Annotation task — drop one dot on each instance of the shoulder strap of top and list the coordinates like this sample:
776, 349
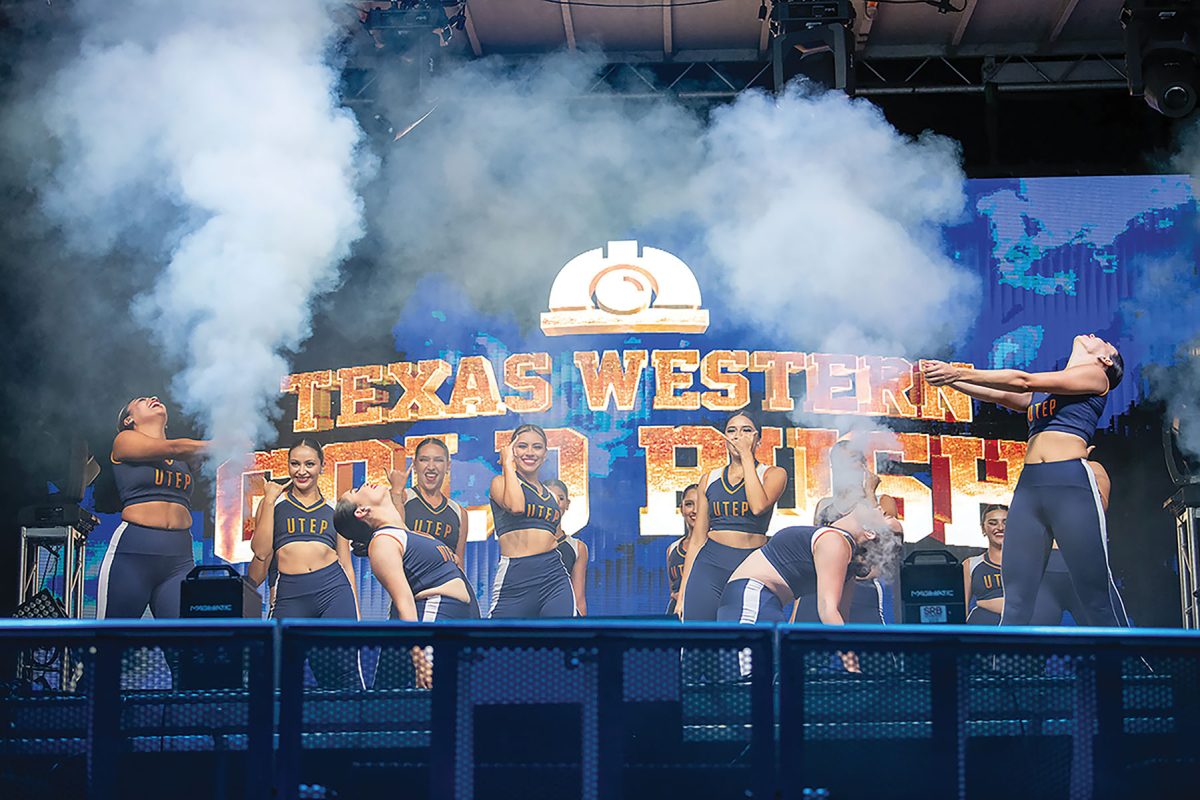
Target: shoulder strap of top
409, 494
399, 534
715, 475
973, 563
761, 469
281, 499
455, 507
826, 529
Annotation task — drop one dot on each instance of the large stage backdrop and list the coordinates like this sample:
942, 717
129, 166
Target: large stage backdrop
635, 362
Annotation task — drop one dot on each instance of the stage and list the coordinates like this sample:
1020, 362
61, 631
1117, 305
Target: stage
598, 710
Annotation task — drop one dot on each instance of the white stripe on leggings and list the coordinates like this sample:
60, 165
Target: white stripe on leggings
1112, 585
498, 583
430, 612
105, 569
751, 596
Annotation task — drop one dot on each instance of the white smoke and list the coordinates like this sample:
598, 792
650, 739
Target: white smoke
823, 219
1163, 317
827, 221
208, 136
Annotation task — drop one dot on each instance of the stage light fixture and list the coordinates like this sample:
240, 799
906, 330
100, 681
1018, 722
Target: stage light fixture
1162, 45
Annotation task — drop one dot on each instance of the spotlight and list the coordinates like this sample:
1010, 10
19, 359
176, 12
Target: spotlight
1169, 78
1162, 43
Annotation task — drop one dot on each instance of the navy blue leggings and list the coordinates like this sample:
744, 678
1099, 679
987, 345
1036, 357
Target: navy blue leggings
532, 586
143, 567
713, 565
1058, 502
323, 594
748, 601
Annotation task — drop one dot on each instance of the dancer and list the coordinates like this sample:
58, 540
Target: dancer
804, 560
677, 552
418, 572
531, 580
574, 551
150, 552
982, 579
851, 479
1057, 498
426, 509
313, 576
736, 504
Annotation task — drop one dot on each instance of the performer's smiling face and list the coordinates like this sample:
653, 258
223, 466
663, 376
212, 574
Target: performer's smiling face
431, 465
688, 507
143, 410
304, 466
529, 450
993, 526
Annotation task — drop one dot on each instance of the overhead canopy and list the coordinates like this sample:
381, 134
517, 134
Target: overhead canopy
730, 30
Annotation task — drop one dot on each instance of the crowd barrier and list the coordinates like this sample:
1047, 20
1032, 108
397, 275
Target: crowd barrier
597, 709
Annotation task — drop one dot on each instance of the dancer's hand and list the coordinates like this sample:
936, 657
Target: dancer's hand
399, 478
507, 457
272, 490
743, 450
939, 373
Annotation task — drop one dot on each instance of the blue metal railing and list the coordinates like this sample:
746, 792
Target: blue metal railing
601, 709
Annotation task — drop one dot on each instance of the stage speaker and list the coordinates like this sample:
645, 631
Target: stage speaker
215, 591
931, 585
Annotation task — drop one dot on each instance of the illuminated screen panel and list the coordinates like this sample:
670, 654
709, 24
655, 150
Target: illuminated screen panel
633, 365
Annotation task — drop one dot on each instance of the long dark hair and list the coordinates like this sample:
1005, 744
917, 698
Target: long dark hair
351, 527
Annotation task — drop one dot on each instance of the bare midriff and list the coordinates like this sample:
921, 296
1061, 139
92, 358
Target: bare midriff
527, 542
455, 590
297, 558
1049, 446
739, 539
158, 514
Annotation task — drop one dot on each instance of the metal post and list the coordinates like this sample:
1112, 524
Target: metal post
611, 717
443, 720
104, 719
943, 690
261, 689
291, 712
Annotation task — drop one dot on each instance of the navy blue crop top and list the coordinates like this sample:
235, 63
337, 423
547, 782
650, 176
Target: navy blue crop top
986, 582
167, 480
541, 512
441, 522
296, 522
728, 508
1070, 413
790, 551
427, 562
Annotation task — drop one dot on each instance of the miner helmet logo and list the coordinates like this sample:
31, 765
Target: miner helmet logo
624, 292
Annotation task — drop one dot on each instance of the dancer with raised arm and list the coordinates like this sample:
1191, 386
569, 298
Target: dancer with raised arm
1057, 498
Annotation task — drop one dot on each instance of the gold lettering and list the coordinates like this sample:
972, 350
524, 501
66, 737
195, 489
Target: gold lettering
475, 392
615, 375
361, 403
720, 370
313, 400
671, 373
521, 371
